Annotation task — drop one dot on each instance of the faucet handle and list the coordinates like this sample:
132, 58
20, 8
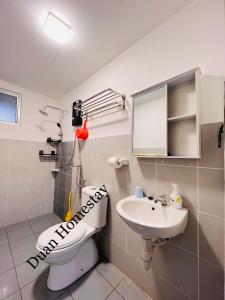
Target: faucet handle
164, 197
164, 200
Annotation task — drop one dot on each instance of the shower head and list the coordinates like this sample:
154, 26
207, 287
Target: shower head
43, 112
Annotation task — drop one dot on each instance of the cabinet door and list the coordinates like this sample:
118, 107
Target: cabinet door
150, 123
212, 98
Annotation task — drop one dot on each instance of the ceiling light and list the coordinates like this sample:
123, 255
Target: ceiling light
55, 27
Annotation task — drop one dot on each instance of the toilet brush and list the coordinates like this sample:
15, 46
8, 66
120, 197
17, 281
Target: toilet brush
69, 214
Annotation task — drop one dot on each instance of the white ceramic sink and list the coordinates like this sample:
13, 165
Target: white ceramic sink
152, 220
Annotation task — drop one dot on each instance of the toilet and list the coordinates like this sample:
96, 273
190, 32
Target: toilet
77, 252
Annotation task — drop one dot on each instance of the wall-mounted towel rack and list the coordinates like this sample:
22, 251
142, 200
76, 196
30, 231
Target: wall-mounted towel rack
104, 103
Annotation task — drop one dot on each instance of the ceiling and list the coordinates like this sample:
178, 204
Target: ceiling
102, 30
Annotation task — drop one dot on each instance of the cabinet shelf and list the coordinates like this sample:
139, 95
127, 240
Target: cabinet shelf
182, 118
166, 118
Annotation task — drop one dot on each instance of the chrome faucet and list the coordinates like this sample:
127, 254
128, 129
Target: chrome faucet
162, 199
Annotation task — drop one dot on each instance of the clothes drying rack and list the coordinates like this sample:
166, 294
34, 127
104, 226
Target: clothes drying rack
103, 103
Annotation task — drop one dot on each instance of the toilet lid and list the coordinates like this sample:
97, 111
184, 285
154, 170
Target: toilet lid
72, 237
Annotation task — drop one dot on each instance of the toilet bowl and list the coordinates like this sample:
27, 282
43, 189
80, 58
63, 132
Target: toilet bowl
76, 253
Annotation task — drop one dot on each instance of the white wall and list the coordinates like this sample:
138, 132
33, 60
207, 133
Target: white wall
193, 37
33, 126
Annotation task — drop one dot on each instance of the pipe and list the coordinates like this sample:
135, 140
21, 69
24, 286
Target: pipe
148, 249
158, 242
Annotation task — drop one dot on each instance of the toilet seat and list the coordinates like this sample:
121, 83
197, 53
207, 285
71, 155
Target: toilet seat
74, 236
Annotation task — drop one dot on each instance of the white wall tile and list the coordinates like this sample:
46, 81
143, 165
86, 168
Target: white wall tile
26, 184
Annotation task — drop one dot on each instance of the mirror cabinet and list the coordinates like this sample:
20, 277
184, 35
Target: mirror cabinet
165, 121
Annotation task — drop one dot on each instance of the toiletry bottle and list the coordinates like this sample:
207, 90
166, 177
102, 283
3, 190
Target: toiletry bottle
175, 197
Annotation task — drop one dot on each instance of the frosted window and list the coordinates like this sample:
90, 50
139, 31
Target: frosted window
8, 107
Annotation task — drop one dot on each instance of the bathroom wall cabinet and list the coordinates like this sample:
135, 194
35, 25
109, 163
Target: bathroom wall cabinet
166, 118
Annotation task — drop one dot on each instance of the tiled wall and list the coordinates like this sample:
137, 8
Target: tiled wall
190, 266
63, 181
26, 184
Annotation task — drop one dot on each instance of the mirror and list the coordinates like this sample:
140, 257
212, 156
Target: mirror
149, 136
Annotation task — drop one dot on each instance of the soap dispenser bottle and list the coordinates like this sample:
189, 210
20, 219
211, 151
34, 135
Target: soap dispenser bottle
175, 197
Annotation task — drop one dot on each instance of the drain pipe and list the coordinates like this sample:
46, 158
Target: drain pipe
147, 253
148, 249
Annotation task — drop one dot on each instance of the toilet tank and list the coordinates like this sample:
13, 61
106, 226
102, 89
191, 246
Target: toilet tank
96, 217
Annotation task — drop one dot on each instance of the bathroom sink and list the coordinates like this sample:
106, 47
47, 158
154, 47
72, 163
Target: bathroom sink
152, 220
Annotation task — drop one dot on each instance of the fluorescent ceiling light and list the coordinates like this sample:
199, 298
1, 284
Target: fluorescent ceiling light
55, 27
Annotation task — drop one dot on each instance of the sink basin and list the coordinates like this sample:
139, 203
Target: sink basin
152, 220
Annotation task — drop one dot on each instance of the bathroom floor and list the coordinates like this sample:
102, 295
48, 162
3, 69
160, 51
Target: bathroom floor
18, 280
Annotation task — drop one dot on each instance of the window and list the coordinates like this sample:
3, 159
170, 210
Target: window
9, 107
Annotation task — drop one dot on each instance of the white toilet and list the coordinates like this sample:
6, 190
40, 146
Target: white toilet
77, 252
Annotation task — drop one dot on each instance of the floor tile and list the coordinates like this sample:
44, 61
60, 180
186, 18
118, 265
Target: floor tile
114, 296
23, 249
37, 290
111, 273
40, 224
64, 296
16, 296
6, 261
26, 274
54, 219
91, 286
38, 234
3, 236
19, 233
95, 285
8, 284
17, 226
38, 220
129, 290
